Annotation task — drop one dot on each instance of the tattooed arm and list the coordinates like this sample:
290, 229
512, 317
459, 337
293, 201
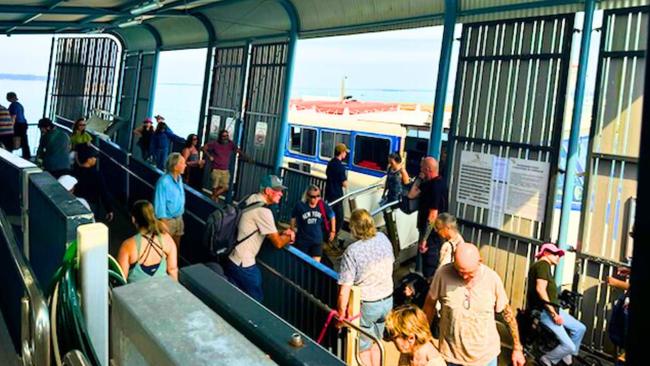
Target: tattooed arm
508, 315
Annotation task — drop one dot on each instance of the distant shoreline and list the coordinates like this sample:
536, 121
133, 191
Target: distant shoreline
28, 77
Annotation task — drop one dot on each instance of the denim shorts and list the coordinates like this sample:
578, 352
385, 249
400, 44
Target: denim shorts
373, 320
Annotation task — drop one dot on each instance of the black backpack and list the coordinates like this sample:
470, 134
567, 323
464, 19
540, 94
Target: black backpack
221, 227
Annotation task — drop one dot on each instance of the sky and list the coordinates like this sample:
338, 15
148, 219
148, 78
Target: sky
404, 59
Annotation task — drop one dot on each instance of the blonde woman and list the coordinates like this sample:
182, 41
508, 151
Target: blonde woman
367, 263
149, 253
409, 330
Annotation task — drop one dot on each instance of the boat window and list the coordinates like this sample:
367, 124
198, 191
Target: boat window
371, 152
328, 140
303, 140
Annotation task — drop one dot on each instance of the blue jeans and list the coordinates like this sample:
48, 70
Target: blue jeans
491, 363
247, 279
569, 334
160, 158
373, 320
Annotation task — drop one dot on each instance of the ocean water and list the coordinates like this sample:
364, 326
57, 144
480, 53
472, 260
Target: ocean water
180, 103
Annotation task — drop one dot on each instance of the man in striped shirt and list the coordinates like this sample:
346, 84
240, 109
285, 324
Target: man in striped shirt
6, 128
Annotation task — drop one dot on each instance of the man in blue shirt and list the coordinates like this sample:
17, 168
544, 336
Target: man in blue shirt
337, 179
169, 197
313, 218
17, 113
54, 148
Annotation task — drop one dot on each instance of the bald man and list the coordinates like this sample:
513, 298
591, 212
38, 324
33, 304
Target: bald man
431, 191
470, 295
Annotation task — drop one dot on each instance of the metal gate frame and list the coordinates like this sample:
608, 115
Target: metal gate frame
84, 76
592, 268
518, 246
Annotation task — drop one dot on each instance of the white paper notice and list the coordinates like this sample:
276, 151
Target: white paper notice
498, 192
527, 185
475, 179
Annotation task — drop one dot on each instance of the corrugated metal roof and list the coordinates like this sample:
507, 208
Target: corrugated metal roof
178, 25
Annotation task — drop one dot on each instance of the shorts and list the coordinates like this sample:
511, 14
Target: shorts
176, 226
314, 250
220, 178
373, 320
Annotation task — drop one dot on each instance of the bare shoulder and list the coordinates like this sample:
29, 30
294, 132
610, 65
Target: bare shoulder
128, 245
168, 242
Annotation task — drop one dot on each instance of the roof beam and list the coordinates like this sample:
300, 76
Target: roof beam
31, 10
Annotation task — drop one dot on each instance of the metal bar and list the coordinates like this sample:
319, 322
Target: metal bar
574, 135
356, 193
612, 157
49, 74
501, 233
22, 9
510, 144
623, 54
435, 141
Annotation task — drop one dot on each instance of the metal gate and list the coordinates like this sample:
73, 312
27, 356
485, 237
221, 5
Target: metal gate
135, 99
507, 117
611, 186
84, 76
261, 128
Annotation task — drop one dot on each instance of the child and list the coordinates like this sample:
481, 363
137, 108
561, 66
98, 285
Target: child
409, 330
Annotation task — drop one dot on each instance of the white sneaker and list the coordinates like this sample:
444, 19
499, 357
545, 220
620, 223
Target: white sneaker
545, 361
568, 359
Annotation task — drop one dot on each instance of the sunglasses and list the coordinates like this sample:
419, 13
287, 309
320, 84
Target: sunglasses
314, 196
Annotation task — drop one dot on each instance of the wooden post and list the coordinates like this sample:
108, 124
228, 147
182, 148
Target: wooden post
351, 338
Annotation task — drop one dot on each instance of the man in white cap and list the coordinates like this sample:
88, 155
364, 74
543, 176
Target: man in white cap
68, 182
542, 296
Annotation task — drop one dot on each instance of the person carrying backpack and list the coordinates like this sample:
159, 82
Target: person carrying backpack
255, 225
315, 221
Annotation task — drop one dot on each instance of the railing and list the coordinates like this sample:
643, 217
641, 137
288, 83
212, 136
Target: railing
34, 346
357, 192
314, 290
598, 298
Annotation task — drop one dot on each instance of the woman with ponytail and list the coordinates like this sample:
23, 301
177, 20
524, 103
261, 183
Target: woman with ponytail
151, 252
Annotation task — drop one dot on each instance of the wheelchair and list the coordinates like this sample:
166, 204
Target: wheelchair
538, 339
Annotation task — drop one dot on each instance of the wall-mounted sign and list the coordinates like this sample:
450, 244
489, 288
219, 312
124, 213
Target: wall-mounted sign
261, 129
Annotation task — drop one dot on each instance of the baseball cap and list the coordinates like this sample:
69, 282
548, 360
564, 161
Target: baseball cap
271, 181
148, 120
67, 181
549, 247
157, 116
340, 147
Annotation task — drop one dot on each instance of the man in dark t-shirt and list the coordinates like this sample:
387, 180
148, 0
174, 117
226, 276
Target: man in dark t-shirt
542, 296
17, 113
337, 179
312, 219
431, 191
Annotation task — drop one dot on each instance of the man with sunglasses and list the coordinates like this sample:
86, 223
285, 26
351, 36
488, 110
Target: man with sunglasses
313, 218
470, 295
219, 153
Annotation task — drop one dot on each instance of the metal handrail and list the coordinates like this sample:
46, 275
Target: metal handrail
35, 316
75, 358
356, 192
384, 207
325, 307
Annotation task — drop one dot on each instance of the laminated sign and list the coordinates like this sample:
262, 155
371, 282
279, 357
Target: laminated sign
503, 186
260, 134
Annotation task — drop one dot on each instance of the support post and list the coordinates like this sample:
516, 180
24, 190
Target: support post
49, 77
92, 244
204, 95
435, 139
284, 127
574, 135
154, 81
